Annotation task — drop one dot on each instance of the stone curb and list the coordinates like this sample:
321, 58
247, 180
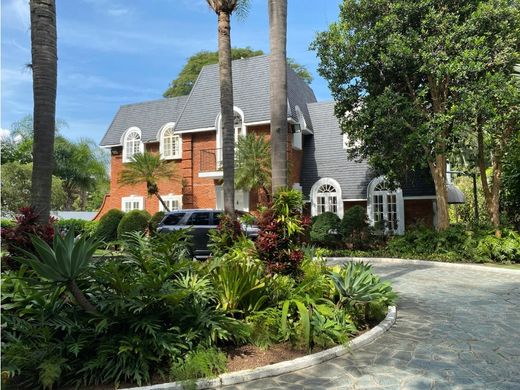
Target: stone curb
287, 366
429, 263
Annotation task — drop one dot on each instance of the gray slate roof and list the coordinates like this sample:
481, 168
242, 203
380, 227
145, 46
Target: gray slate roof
250, 94
149, 116
324, 156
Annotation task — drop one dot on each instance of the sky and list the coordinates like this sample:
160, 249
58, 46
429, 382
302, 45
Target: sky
114, 52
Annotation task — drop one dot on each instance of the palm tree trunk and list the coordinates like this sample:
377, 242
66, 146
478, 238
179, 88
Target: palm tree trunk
278, 91
44, 69
226, 109
166, 208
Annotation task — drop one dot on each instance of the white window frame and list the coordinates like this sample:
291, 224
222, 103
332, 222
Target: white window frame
315, 193
127, 157
371, 191
241, 199
133, 199
169, 199
170, 127
297, 137
240, 131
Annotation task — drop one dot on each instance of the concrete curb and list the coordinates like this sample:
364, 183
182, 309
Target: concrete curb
427, 263
287, 366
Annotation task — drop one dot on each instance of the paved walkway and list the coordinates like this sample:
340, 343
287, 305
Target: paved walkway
455, 329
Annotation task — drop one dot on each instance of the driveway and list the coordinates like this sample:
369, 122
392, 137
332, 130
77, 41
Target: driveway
456, 329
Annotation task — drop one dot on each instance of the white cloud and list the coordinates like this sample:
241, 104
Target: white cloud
16, 14
4, 133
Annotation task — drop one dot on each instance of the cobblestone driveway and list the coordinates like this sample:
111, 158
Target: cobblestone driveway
455, 329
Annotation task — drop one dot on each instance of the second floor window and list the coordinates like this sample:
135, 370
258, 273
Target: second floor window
171, 144
132, 145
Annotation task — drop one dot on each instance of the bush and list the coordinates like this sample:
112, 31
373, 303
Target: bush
133, 221
224, 236
107, 226
354, 226
153, 224
325, 229
18, 236
201, 363
76, 225
90, 228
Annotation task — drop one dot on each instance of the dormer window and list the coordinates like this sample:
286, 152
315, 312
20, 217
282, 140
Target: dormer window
170, 144
132, 144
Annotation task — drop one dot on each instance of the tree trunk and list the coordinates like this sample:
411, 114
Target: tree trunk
81, 298
491, 195
438, 171
166, 208
278, 91
226, 110
44, 69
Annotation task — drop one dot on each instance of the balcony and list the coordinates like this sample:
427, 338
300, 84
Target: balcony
211, 163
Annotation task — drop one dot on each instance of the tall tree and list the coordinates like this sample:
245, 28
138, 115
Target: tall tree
224, 9
149, 168
182, 85
395, 68
278, 91
44, 69
253, 164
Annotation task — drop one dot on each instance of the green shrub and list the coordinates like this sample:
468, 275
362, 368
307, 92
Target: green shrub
354, 227
133, 221
201, 363
90, 228
7, 223
153, 224
107, 227
505, 249
325, 229
76, 225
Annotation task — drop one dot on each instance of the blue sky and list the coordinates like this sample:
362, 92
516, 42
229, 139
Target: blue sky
114, 52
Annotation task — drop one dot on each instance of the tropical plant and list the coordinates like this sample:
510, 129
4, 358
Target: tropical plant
154, 221
133, 221
225, 236
44, 70
278, 91
107, 228
148, 168
64, 263
200, 363
253, 164
325, 229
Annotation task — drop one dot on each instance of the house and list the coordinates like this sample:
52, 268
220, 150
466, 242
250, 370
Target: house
186, 131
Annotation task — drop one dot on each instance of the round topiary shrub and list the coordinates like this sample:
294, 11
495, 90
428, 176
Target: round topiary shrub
154, 221
325, 229
133, 221
106, 229
355, 221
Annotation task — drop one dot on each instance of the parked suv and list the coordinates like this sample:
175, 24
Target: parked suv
200, 222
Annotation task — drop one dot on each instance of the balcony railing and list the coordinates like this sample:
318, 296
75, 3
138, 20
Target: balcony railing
210, 160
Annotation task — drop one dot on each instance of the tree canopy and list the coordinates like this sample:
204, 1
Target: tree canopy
400, 70
188, 75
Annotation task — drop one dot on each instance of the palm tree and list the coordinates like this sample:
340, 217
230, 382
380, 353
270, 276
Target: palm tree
278, 90
147, 167
44, 69
253, 164
224, 9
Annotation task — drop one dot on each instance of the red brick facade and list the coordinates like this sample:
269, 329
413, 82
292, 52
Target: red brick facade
197, 192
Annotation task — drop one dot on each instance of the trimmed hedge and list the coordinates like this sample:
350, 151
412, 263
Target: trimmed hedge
133, 221
107, 227
325, 229
77, 225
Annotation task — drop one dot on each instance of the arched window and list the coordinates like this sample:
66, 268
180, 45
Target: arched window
240, 131
132, 144
385, 207
170, 145
326, 196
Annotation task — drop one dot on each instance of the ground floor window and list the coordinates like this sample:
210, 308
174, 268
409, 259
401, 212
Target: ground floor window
129, 203
326, 197
385, 207
173, 202
241, 199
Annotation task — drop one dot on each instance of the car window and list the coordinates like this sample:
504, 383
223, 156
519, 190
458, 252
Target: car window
216, 218
173, 219
199, 219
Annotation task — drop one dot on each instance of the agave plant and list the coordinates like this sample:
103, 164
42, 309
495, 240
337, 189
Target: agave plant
64, 263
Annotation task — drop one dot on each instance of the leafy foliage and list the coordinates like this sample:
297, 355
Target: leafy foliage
253, 163
133, 221
200, 363
107, 228
186, 78
154, 221
17, 239
325, 229
79, 226
354, 227
226, 234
